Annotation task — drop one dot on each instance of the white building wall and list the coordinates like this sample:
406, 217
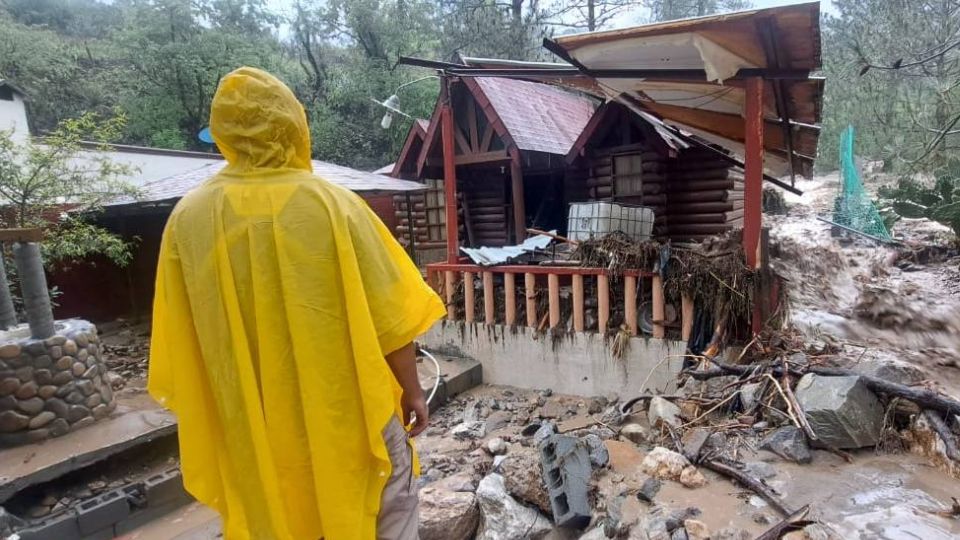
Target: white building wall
13, 114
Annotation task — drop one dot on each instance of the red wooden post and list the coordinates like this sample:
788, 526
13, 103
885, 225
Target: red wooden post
519, 206
753, 171
449, 179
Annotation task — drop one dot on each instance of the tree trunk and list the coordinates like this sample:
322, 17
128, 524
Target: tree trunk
33, 286
8, 315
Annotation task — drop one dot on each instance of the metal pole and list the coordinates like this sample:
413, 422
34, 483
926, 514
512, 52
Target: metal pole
33, 286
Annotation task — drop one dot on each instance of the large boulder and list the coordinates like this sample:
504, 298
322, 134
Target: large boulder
503, 518
523, 479
842, 411
447, 514
662, 411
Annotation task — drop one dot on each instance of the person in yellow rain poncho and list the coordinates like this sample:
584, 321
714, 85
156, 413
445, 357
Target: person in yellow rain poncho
283, 324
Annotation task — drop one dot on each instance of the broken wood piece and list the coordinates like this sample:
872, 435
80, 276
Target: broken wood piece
791, 521
554, 236
468, 298
578, 310
603, 302
744, 479
450, 281
686, 317
553, 290
630, 303
659, 307
510, 299
530, 289
941, 428
489, 313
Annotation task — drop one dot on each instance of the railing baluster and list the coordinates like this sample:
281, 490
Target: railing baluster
450, 282
510, 298
553, 284
468, 299
489, 316
686, 316
530, 284
659, 308
578, 303
630, 303
603, 303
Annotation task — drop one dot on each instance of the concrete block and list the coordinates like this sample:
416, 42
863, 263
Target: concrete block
457, 375
61, 527
566, 472
95, 515
165, 488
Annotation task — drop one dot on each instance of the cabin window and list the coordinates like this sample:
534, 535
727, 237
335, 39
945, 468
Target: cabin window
435, 209
6, 93
627, 175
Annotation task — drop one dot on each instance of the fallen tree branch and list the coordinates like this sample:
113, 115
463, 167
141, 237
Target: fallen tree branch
795, 405
748, 481
941, 428
926, 399
775, 532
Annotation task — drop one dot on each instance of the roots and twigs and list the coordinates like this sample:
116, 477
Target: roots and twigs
939, 426
753, 484
952, 513
794, 521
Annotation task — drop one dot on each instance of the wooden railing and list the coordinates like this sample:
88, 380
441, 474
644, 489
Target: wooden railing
444, 277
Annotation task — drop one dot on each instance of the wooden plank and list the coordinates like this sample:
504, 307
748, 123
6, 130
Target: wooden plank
487, 139
510, 299
603, 302
537, 270
630, 303
489, 315
472, 127
462, 142
578, 303
519, 207
753, 126
468, 297
450, 281
21, 235
530, 289
686, 317
659, 307
450, 182
553, 288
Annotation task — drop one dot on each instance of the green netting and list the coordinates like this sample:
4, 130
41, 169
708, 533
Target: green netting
853, 206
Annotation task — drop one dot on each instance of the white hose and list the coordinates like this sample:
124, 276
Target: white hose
436, 383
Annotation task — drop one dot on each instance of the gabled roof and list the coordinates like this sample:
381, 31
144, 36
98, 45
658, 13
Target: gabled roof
7, 84
538, 117
178, 185
411, 149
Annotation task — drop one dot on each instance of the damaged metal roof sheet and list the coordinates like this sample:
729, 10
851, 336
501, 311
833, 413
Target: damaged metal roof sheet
492, 256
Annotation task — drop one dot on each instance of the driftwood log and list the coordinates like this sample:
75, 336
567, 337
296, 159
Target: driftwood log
749, 482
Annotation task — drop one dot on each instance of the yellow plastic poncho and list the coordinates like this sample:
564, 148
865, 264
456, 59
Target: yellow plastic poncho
278, 295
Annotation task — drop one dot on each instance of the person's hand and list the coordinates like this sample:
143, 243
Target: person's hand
415, 412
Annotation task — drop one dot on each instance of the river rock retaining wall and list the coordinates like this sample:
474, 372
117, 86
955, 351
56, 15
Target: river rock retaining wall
49, 387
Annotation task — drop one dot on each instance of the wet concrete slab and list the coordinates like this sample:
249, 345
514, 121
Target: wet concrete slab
137, 420
457, 375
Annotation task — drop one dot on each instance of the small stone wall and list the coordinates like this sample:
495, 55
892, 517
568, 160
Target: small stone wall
52, 386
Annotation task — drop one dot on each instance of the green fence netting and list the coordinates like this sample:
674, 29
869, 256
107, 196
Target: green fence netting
853, 206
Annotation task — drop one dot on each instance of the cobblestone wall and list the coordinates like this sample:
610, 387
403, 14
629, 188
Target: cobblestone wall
52, 386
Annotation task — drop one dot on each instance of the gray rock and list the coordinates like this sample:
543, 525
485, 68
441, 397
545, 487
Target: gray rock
679, 534
27, 390
760, 469
11, 421
472, 412
544, 432
82, 423
31, 406
42, 419
842, 411
100, 411
599, 455
635, 433
91, 372
66, 389
503, 518
59, 427
469, 430
748, 395
694, 442
43, 377
523, 480
78, 369
63, 363
74, 397
35, 348
47, 392
70, 347
39, 434
496, 446
86, 387
597, 405
93, 401
732, 533
62, 378
25, 374
9, 386
649, 489
892, 370
595, 534
789, 443
76, 412
58, 407
662, 411
445, 514
11, 350
42, 361
553, 410
498, 420
8, 403
55, 341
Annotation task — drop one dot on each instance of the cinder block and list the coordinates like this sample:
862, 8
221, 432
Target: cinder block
95, 515
165, 489
60, 527
565, 464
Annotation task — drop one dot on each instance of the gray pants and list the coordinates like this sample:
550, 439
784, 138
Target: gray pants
399, 518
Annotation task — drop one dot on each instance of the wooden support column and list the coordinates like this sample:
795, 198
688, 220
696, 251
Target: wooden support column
603, 303
468, 300
686, 317
510, 299
659, 307
450, 281
630, 303
519, 207
753, 170
578, 303
553, 286
530, 285
489, 315
449, 179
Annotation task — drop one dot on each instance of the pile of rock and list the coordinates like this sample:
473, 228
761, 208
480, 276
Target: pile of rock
53, 386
